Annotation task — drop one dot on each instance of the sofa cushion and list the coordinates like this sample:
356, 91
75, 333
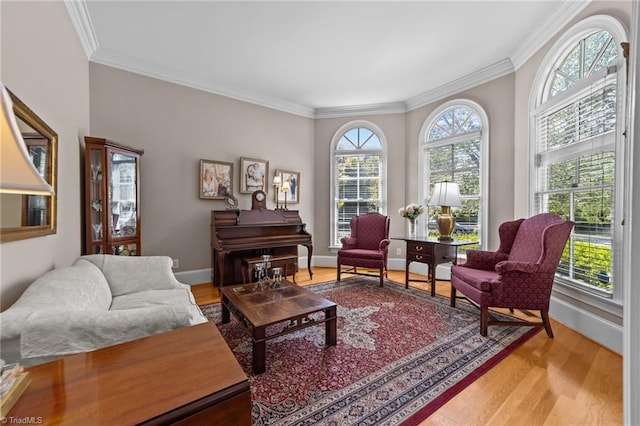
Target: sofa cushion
176, 297
133, 274
79, 287
61, 333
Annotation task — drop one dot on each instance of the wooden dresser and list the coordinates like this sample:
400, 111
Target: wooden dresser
187, 376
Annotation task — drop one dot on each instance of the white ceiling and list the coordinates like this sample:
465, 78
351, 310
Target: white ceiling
320, 58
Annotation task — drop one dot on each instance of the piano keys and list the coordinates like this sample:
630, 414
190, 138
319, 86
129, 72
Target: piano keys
236, 234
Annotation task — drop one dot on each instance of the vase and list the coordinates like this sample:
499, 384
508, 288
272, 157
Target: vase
412, 228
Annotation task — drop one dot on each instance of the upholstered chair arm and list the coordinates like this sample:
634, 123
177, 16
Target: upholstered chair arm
508, 266
483, 259
349, 242
384, 244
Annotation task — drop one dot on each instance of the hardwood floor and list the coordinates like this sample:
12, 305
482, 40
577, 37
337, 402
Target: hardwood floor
567, 380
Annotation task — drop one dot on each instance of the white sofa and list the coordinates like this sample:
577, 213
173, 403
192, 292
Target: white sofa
99, 301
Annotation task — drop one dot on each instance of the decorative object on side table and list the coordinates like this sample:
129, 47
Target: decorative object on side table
411, 212
446, 195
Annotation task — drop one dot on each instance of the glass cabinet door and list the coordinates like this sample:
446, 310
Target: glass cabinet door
96, 195
123, 195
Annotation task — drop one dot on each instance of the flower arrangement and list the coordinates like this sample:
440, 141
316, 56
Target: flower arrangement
411, 211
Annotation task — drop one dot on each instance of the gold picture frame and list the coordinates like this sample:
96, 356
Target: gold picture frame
253, 175
293, 195
216, 179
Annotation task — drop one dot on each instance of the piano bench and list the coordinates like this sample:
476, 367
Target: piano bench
287, 262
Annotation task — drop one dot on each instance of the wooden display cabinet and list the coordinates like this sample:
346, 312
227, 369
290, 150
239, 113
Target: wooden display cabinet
111, 198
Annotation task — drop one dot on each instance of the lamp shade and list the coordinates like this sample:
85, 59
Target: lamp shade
277, 181
445, 194
18, 175
285, 186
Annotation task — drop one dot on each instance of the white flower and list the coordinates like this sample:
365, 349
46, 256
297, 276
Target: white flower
411, 211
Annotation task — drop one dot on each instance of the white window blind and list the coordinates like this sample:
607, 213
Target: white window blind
358, 173
576, 165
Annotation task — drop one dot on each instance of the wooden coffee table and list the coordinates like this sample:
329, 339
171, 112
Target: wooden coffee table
256, 310
187, 376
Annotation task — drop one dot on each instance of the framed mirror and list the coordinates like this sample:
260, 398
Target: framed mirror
29, 216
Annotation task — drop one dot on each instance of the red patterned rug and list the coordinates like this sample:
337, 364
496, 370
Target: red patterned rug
401, 354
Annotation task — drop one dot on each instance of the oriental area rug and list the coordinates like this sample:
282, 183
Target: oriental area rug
401, 354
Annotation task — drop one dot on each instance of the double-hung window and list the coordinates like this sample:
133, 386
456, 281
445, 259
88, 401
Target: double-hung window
454, 148
578, 169
358, 171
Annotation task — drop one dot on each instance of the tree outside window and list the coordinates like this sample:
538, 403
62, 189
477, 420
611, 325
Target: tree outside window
452, 151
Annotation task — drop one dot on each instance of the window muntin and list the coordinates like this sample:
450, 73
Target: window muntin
577, 157
358, 168
589, 55
452, 151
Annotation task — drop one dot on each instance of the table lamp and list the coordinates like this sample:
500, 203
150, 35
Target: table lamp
285, 189
277, 181
446, 195
18, 175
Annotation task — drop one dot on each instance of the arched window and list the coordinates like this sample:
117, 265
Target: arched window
577, 120
358, 172
454, 148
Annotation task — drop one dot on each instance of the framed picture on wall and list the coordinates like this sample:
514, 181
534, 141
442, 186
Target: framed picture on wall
216, 179
253, 175
292, 181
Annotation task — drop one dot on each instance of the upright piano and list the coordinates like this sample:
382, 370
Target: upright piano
236, 234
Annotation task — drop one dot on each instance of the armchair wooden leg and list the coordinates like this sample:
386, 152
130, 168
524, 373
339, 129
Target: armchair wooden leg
381, 276
453, 297
544, 313
338, 272
484, 320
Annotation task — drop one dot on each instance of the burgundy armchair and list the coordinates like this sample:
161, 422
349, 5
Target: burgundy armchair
367, 247
519, 275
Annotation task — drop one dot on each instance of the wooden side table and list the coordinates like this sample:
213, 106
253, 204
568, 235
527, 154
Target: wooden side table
187, 376
432, 252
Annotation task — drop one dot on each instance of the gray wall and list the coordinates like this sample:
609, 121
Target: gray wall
44, 65
176, 127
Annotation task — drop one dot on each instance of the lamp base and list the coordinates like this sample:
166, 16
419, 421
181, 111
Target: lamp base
446, 224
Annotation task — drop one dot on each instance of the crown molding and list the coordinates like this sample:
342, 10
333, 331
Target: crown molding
469, 81
82, 22
566, 11
563, 14
137, 66
358, 110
